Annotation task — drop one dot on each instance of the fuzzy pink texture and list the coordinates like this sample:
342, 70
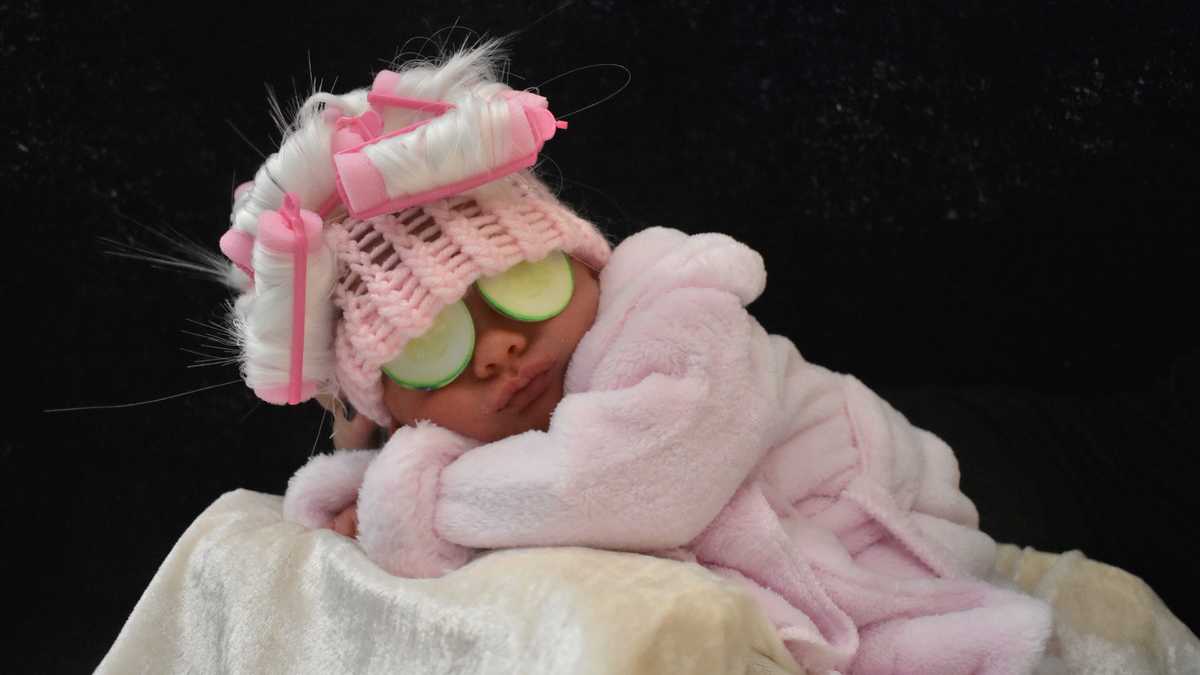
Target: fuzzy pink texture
688, 431
401, 487
325, 486
397, 271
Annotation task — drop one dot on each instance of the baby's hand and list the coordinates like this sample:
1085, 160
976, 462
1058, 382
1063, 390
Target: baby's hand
355, 431
346, 522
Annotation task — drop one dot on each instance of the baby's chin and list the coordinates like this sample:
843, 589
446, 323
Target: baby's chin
543, 408
536, 417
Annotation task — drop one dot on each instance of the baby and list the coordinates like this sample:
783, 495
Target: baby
541, 388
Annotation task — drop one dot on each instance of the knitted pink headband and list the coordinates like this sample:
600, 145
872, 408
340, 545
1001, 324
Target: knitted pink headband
425, 220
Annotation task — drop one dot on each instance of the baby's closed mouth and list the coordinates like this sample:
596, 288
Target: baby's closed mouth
532, 380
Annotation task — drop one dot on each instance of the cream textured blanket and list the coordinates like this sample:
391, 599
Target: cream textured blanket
1106, 620
244, 591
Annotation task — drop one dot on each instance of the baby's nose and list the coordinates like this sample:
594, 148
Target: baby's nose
497, 350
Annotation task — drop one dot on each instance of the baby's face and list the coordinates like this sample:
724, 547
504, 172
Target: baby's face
503, 347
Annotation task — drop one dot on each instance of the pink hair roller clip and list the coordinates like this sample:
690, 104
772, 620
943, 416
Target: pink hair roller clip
363, 185
298, 232
237, 245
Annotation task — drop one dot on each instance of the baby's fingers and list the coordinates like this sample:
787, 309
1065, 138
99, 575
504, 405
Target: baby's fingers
346, 522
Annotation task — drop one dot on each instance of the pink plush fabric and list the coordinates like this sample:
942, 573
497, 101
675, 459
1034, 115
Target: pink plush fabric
325, 486
688, 431
401, 487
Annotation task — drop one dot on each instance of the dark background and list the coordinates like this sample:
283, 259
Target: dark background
983, 210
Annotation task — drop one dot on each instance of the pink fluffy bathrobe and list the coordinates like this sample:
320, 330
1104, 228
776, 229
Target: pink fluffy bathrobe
686, 430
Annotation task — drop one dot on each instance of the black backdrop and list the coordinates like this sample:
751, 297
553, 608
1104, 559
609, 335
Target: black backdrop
985, 212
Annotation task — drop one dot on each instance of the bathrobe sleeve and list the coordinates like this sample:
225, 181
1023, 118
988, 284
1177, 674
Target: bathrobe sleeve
644, 464
326, 485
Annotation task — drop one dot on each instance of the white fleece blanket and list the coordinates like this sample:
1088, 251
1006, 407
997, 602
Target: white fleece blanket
244, 591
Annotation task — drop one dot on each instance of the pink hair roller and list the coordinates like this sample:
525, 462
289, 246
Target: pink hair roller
298, 232
238, 246
362, 185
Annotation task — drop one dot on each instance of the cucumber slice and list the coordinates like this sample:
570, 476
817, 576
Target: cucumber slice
531, 291
439, 355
